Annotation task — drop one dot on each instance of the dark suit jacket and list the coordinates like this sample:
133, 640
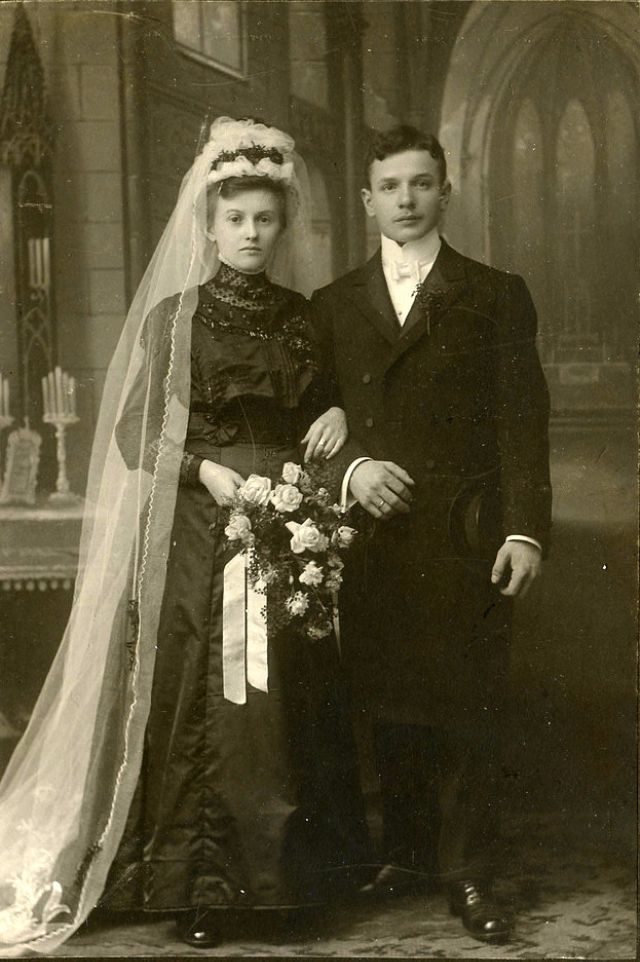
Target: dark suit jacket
457, 397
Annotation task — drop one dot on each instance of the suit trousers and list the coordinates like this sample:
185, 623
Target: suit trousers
440, 799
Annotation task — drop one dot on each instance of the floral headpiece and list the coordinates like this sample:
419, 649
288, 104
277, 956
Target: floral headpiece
244, 148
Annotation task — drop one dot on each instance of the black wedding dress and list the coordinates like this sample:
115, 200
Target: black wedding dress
239, 805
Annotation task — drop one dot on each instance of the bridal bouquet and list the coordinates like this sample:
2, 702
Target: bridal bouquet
295, 538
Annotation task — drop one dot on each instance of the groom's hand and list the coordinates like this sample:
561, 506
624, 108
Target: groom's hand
516, 567
382, 488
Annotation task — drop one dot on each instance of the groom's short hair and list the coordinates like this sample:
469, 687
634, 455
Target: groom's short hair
395, 140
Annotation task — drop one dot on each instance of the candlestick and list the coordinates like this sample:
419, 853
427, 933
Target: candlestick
60, 410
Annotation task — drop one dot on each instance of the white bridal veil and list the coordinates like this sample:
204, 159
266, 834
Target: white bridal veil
65, 796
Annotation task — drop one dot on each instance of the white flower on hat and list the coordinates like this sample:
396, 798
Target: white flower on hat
232, 137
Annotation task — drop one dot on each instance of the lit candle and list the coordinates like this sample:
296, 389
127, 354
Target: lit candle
47, 274
32, 262
5, 397
46, 403
72, 394
59, 391
50, 392
38, 246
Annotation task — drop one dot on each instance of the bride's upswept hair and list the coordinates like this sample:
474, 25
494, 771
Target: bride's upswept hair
233, 186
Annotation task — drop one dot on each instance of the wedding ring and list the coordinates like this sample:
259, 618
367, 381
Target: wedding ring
381, 503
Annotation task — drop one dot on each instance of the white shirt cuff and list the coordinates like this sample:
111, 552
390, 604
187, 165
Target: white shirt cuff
347, 500
523, 537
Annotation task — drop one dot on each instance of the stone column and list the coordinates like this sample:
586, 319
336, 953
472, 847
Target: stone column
345, 26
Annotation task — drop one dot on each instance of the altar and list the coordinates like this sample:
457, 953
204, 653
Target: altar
38, 564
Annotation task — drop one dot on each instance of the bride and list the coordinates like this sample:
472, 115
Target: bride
138, 783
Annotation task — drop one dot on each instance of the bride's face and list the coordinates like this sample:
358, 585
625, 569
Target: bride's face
246, 228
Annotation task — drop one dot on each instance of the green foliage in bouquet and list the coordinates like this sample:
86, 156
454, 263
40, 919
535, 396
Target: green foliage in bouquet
296, 538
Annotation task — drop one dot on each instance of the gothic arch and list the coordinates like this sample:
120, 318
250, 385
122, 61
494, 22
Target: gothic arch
550, 56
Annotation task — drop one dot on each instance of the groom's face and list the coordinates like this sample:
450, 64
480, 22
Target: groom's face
406, 195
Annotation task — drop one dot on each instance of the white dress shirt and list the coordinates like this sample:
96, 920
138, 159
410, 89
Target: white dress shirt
404, 268
407, 266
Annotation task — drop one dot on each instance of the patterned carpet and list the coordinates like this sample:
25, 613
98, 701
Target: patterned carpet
573, 890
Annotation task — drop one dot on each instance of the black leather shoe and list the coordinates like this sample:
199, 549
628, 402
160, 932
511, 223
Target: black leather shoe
197, 929
481, 916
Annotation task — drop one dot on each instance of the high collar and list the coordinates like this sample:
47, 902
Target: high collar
230, 277
423, 250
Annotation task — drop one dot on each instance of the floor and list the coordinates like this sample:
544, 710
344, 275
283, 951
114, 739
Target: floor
573, 890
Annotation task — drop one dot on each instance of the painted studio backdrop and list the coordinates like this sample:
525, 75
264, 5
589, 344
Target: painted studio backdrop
537, 107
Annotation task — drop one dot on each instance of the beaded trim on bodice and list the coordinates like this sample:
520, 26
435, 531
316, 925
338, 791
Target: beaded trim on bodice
256, 313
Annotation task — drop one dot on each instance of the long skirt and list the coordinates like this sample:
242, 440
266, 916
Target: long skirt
238, 805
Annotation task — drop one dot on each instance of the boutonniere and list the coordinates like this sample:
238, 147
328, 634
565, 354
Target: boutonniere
430, 301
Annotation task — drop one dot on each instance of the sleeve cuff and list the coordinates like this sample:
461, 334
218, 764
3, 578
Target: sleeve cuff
347, 500
524, 537
189, 469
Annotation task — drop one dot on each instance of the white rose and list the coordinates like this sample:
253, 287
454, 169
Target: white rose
344, 536
286, 497
256, 490
306, 537
239, 528
312, 574
291, 472
297, 604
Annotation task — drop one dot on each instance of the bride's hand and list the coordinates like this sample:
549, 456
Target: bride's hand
327, 435
221, 483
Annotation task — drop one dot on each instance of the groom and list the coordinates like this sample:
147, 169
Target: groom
435, 360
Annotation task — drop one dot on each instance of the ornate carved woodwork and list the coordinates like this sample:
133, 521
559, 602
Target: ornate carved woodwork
26, 145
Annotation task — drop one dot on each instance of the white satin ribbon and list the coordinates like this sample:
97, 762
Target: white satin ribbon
244, 632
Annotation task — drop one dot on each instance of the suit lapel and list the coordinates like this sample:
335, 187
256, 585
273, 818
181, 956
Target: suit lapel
370, 294
444, 285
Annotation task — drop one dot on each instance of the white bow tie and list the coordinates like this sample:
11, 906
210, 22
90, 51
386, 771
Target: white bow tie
406, 269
